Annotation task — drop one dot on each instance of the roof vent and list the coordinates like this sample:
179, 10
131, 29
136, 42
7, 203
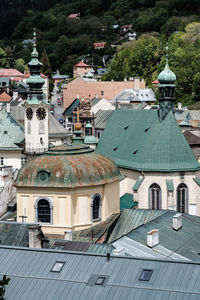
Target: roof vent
125, 127
135, 151
119, 251
146, 129
152, 238
115, 148
5, 132
177, 222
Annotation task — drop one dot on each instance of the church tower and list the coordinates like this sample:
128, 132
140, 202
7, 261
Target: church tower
36, 108
167, 90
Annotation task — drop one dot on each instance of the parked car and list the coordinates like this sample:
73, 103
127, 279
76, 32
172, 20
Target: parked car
52, 108
58, 101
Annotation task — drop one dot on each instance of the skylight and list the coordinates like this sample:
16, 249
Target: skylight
145, 275
100, 280
58, 267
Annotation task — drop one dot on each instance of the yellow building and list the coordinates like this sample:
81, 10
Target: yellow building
70, 187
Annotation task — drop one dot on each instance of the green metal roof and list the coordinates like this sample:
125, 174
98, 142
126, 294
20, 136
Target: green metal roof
70, 109
185, 241
196, 179
170, 185
90, 139
126, 201
138, 183
131, 219
166, 76
68, 166
11, 132
138, 140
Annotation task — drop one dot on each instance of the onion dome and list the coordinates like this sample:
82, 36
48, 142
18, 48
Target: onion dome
166, 76
68, 166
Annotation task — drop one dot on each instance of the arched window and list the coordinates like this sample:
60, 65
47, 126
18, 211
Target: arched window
96, 207
182, 198
155, 196
43, 209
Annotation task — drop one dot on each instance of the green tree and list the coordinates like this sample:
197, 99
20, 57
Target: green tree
3, 284
20, 65
10, 57
3, 59
46, 68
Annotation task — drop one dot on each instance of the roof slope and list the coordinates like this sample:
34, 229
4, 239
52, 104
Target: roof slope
14, 233
30, 271
136, 139
101, 118
131, 219
11, 132
185, 241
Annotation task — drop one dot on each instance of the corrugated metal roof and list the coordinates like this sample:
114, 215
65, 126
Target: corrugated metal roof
146, 144
30, 276
101, 118
185, 241
130, 219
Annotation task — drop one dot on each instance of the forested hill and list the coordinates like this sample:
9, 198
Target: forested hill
65, 40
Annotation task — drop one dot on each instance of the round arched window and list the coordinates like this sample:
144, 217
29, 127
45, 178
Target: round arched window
96, 207
43, 211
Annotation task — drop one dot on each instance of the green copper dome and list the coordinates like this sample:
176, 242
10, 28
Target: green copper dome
166, 76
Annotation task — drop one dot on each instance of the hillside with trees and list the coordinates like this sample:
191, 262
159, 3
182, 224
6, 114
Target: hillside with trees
65, 40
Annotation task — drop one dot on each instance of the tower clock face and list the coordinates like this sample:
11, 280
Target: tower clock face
29, 113
41, 113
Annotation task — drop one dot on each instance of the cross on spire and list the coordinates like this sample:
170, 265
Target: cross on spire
77, 112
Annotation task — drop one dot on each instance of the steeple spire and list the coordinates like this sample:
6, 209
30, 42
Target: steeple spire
166, 88
35, 81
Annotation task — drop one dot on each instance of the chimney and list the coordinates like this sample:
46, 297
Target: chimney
68, 235
35, 235
177, 222
152, 238
136, 83
8, 107
179, 105
119, 251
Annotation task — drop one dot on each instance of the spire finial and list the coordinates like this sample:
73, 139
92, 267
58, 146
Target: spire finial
167, 49
34, 37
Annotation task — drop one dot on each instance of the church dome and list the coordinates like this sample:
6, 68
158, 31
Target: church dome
166, 76
68, 166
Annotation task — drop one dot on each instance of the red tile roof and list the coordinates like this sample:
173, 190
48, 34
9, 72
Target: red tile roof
99, 45
81, 64
126, 26
155, 81
74, 16
10, 73
4, 97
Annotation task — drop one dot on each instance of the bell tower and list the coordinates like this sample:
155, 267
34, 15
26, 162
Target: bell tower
36, 108
167, 90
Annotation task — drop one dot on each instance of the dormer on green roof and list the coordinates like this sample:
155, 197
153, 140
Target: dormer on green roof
167, 91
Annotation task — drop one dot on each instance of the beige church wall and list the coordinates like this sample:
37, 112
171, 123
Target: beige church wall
160, 178
111, 202
12, 158
71, 207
